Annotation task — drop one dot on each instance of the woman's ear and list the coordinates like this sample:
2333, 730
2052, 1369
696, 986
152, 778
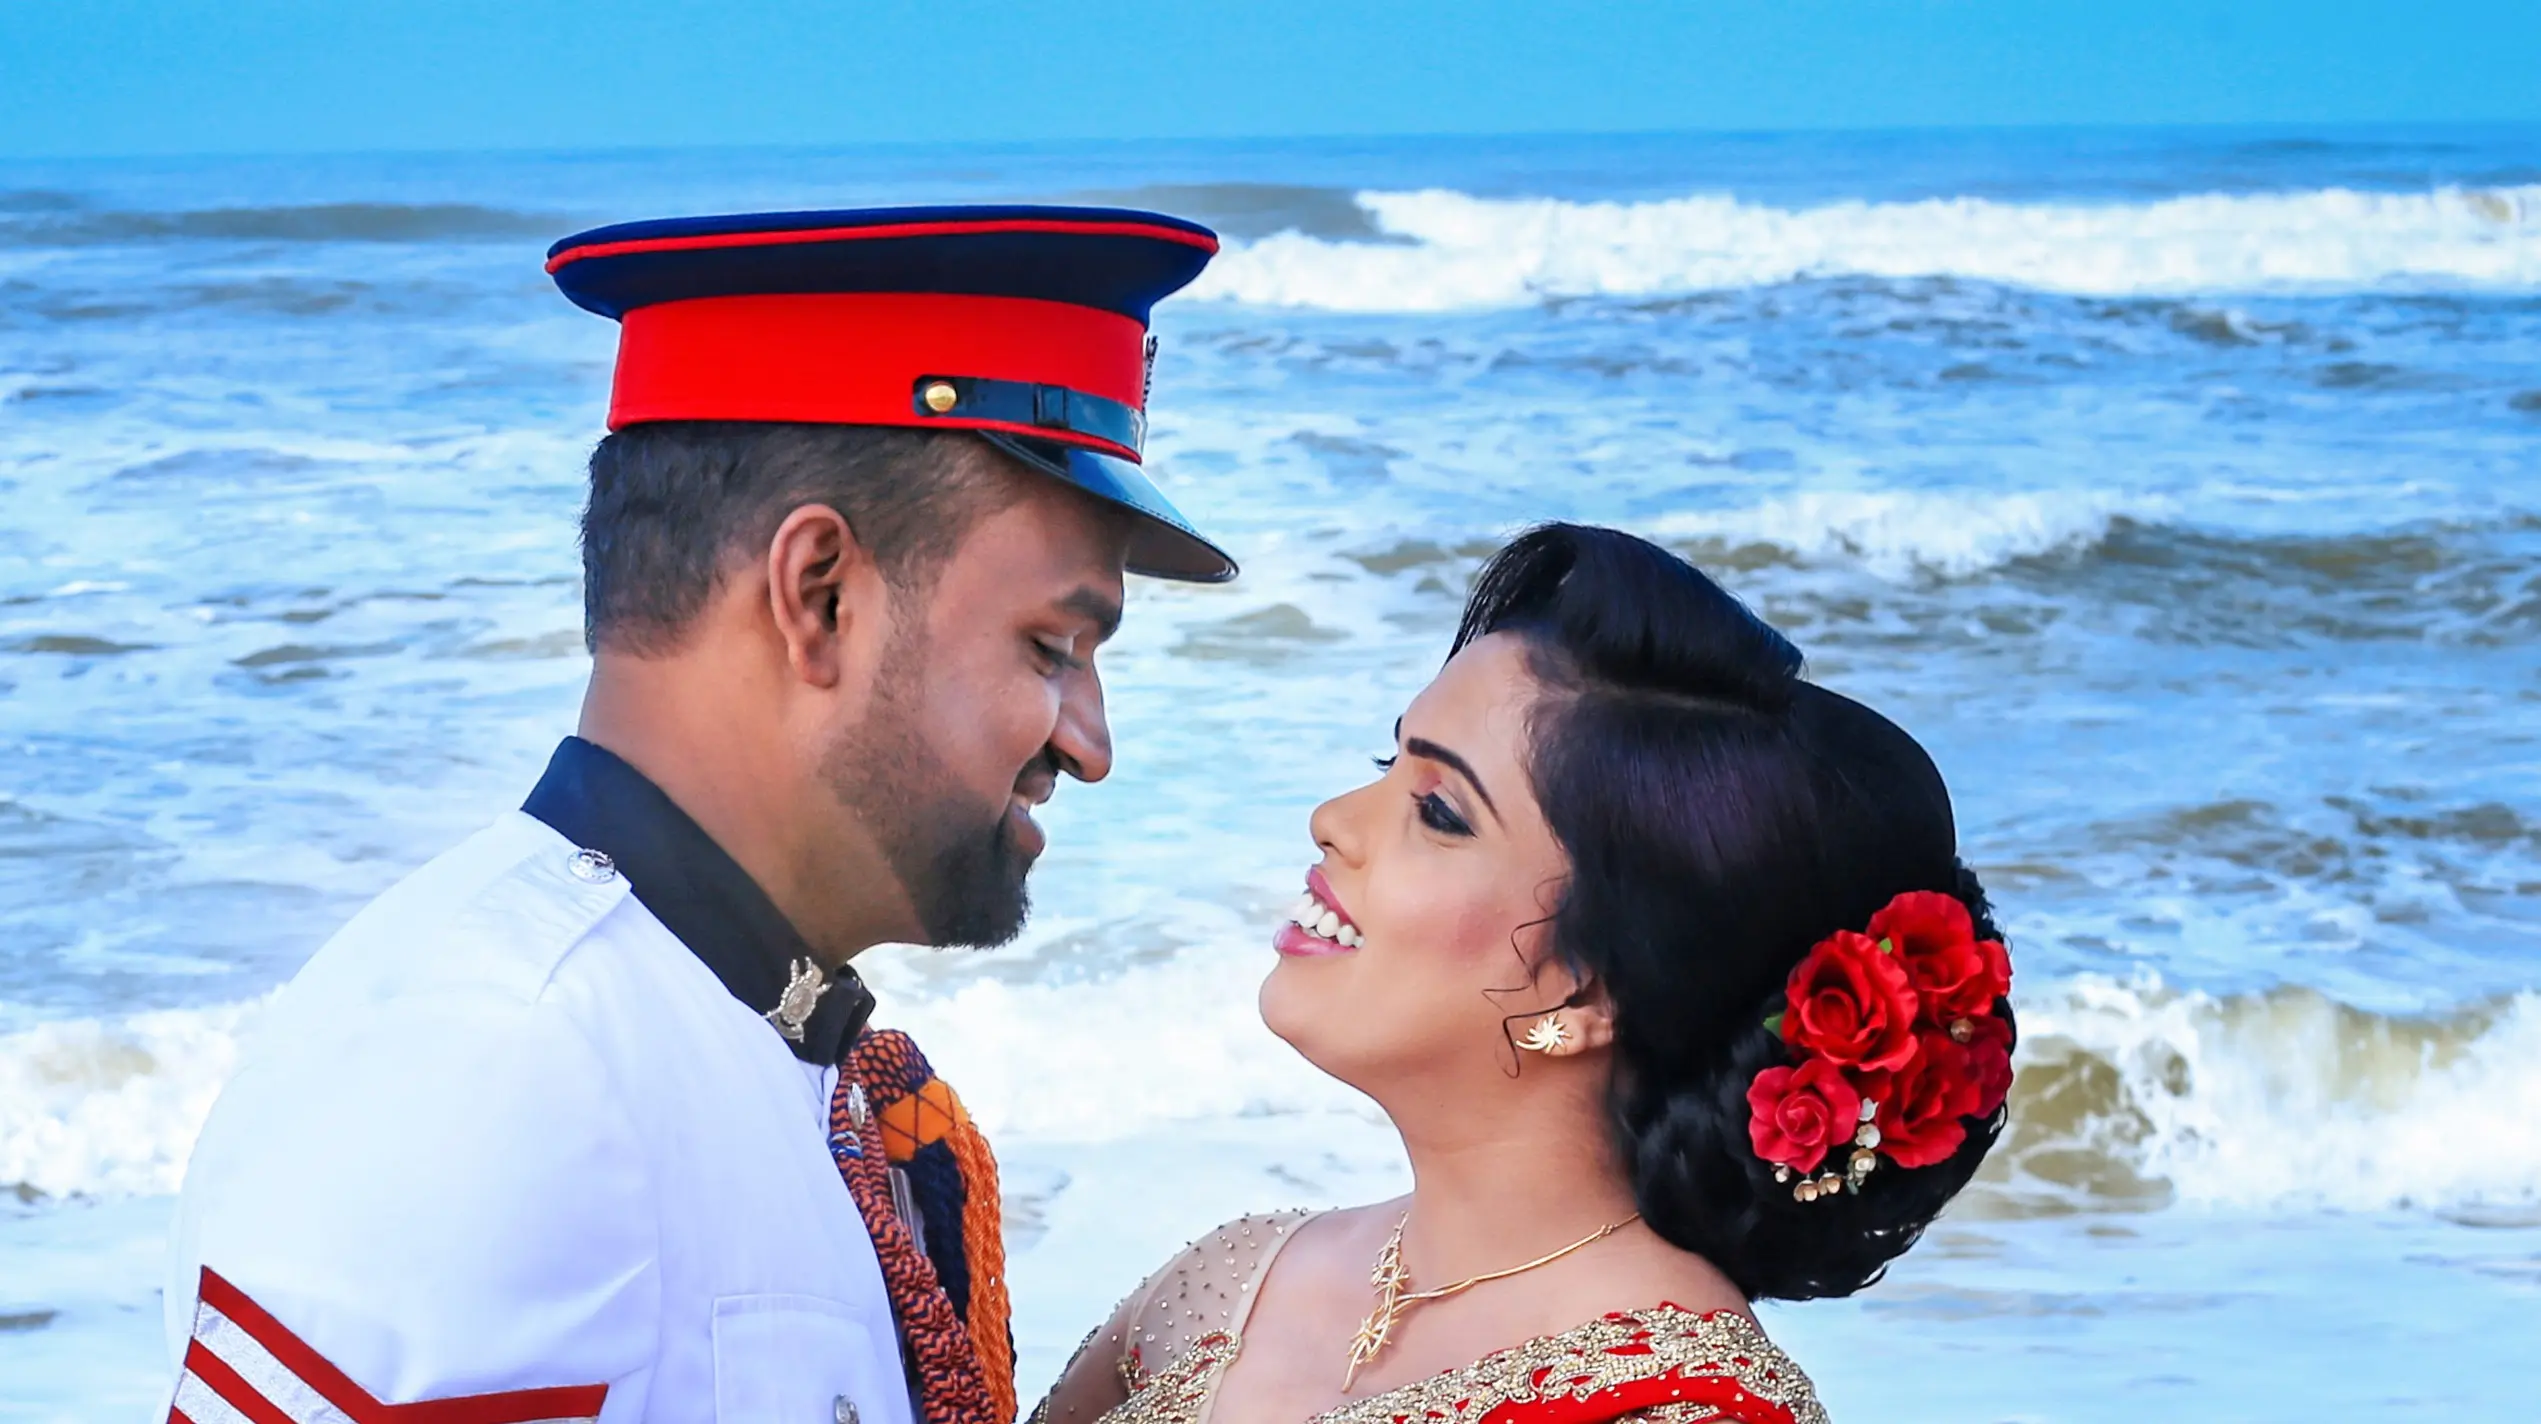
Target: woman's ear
825, 593
1583, 1022
1592, 1023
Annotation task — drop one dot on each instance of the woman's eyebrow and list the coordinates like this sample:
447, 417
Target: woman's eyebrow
1430, 751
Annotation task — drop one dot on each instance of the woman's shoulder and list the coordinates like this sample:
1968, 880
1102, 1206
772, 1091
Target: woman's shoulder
1232, 1253
1205, 1288
1180, 1322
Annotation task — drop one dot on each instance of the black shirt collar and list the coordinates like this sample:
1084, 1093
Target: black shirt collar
698, 892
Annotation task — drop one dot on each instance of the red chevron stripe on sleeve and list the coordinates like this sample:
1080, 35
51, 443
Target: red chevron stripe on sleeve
243, 1367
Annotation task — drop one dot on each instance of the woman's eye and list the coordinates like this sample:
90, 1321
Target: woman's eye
1436, 814
1383, 763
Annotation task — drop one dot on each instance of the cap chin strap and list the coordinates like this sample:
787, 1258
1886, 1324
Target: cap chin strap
1057, 409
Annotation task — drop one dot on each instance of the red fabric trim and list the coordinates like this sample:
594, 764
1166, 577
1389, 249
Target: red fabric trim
178, 1416
1718, 1392
1077, 438
855, 358
313, 1368
518, 1407
513, 1407
701, 241
231, 1386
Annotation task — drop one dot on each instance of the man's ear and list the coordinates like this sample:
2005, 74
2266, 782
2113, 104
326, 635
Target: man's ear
825, 593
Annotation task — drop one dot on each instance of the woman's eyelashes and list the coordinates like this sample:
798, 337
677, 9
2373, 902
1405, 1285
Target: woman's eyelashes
1432, 808
1436, 814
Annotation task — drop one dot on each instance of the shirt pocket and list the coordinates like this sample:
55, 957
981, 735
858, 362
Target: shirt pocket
801, 1359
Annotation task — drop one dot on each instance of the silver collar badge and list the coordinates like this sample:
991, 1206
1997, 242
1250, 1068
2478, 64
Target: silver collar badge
802, 995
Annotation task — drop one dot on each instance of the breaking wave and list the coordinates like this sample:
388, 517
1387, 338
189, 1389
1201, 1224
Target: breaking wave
2132, 1094
1900, 534
2131, 1091
1445, 250
89, 1106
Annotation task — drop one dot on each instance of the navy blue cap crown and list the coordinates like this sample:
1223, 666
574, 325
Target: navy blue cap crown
1026, 325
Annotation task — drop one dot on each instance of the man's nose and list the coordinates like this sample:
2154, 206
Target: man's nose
1083, 737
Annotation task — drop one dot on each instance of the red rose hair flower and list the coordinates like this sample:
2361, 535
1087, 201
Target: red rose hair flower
1797, 1115
1851, 1003
1956, 975
1920, 1122
1895, 1048
1989, 1048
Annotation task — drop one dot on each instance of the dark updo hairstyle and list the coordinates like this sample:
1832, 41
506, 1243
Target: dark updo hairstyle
1721, 816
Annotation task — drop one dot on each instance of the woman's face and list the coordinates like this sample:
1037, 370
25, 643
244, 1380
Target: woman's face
1430, 897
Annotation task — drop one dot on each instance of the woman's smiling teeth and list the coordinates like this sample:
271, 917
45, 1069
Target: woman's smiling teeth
1319, 919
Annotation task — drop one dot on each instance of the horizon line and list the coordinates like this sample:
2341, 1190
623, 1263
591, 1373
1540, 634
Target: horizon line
2285, 126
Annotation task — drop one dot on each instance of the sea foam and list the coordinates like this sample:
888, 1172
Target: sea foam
1451, 249
112, 1107
2282, 1098
2131, 1092
1902, 533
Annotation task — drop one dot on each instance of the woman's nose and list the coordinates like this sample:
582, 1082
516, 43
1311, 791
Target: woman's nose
1335, 825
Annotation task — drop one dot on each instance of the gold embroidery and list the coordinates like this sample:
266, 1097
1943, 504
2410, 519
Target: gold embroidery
1177, 1393
1576, 1364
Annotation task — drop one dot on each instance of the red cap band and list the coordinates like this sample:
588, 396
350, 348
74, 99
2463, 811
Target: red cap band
855, 358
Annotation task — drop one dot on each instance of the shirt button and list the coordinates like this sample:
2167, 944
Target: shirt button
592, 866
843, 1410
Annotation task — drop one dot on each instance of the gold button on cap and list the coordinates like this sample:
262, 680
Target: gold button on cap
940, 396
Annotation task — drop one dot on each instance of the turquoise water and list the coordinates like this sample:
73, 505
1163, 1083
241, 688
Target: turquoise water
2182, 491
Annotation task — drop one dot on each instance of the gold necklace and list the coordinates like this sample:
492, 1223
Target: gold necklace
1393, 1301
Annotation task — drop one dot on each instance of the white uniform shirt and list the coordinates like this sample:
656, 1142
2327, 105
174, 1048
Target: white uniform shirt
506, 1131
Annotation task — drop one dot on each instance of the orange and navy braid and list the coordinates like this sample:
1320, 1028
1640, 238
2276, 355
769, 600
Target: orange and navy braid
949, 1294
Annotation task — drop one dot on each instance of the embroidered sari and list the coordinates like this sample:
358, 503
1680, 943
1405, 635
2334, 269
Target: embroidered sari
1172, 1343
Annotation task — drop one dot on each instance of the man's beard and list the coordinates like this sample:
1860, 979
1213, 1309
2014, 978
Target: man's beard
963, 874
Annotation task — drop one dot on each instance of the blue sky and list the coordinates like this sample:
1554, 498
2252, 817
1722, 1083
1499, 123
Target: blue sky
82, 77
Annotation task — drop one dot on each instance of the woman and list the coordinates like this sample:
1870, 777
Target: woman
1663, 963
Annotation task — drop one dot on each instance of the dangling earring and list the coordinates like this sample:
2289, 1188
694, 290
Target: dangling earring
1547, 1035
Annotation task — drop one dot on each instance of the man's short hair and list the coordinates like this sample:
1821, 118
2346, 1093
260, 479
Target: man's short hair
674, 503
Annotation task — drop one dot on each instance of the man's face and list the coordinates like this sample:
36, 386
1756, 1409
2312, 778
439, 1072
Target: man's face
987, 693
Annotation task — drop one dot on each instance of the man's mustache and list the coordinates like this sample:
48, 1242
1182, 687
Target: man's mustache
1040, 777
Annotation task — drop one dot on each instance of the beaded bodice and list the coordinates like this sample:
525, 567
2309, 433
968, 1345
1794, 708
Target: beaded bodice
1171, 1344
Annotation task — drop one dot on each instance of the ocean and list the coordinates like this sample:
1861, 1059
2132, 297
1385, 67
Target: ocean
2181, 490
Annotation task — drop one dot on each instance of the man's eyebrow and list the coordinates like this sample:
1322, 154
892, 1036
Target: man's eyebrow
1431, 751
1103, 611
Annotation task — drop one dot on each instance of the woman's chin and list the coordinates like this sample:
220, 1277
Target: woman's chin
1288, 1001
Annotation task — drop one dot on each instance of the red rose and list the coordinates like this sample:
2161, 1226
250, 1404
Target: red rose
1953, 975
1920, 1121
1998, 966
1849, 1002
1989, 1048
1796, 1115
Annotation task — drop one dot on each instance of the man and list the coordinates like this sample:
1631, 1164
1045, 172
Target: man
556, 1128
